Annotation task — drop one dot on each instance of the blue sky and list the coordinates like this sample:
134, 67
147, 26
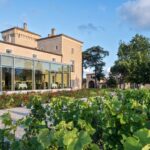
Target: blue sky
95, 22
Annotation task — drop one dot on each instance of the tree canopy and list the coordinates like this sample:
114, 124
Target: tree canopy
93, 58
133, 64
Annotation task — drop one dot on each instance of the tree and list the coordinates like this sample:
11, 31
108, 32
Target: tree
93, 58
111, 82
133, 64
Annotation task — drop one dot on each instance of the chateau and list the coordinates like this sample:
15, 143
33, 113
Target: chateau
29, 62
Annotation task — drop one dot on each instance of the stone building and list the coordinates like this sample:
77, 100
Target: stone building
90, 81
29, 62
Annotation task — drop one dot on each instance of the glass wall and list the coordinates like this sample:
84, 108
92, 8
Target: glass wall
6, 79
66, 76
6, 64
26, 74
56, 76
23, 74
41, 75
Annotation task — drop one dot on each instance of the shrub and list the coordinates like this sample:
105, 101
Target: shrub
17, 100
101, 122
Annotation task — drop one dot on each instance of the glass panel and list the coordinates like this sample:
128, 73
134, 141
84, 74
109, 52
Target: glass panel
23, 63
66, 68
56, 80
66, 76
66, 80
7, 61
56, 76
41, 75
6, 79
23, 79
56, 67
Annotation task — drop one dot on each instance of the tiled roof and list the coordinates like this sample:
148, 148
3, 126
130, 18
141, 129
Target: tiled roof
19, 29
54, 36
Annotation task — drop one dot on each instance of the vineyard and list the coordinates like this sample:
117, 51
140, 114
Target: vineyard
109, 121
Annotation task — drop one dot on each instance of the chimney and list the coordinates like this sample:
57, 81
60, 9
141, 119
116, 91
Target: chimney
25, 27
53, 31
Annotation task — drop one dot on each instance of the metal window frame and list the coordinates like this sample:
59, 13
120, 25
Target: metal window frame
33, 70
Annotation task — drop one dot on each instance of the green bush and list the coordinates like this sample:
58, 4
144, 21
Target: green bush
17, 100
109, 122
139, 141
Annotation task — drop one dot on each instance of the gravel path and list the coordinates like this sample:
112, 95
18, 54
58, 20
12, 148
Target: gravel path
16, 113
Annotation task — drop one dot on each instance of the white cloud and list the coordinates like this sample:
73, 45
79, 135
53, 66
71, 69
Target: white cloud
136, 12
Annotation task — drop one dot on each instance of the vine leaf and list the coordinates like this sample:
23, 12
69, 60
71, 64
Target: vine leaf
45, 137
144, 136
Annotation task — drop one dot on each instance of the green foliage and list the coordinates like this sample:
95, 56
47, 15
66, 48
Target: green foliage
45, 137
93, 58
18, 100
133, 64
111, 121
6, 119
111, 82
139, 141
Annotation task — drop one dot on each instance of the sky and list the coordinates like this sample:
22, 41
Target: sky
95, 22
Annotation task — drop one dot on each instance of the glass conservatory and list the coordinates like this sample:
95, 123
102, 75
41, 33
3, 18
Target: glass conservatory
19, 73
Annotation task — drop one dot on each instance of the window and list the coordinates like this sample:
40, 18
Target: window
23, 63
8, 51
66, 75
72, 51
56, 47
56, 76
34, 56
7, 64
72, 83
6, 78
23, 79
54, 59
23, 74
72, 66
7, 61
41, 75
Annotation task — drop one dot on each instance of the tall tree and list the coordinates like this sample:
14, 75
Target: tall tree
93, 58
111, 81
133, 64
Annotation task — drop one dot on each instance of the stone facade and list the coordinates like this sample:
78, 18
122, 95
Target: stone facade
56, 48
90, 81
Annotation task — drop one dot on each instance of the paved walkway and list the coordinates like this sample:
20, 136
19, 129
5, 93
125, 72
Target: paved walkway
16, 113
